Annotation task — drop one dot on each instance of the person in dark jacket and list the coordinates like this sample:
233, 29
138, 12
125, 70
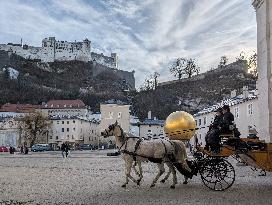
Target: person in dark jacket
64, 148
212, 137
228, 119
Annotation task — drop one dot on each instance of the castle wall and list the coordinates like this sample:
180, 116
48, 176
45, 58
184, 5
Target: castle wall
53, 50
124, 75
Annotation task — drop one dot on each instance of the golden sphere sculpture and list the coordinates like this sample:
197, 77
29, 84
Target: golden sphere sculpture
180, 125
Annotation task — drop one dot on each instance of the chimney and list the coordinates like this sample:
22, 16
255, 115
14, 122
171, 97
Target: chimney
245, 92
233, 93
149, 115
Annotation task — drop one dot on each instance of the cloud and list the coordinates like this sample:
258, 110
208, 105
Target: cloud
147, 35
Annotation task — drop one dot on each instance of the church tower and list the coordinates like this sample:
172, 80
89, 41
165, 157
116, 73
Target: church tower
264, 84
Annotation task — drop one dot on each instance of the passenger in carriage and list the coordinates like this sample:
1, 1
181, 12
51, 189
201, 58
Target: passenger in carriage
227, 124
228, 119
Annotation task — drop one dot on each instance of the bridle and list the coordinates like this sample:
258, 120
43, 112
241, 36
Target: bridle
122, 136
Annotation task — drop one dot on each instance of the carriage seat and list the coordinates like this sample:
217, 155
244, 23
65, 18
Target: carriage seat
226, 135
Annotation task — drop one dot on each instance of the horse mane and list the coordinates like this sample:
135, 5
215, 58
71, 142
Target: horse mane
127, 135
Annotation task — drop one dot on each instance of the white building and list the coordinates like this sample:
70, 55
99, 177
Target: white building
244, 108
9, 132
151, 128
53, 50
93, 133
264, 67
74, 130
110, 113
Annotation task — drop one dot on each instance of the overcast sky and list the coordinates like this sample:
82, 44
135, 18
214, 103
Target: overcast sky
146, 34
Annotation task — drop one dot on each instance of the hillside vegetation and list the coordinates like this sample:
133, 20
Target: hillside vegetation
194, 94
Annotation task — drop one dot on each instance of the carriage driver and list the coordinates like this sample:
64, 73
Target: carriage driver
222, 121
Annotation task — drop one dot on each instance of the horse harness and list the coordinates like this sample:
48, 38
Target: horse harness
134, 154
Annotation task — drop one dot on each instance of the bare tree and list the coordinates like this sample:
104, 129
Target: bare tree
34, 125
148, 84
183, 67
252, 64
191, 68
242, 56
223, 61
155, 76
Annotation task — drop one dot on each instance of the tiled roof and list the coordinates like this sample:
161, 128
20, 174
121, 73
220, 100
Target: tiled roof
66, 117
18, 107
58, 104
151, 122
231, 102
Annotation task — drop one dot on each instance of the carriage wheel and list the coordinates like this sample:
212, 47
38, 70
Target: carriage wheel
217, 174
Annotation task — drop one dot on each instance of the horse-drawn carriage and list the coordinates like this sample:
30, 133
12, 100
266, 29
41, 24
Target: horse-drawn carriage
216, 172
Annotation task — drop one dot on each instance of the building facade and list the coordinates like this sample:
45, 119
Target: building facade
151, 128
9, 132
244, 108
75, 131
264, 66
110, 113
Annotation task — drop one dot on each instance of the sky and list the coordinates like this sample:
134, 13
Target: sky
147, 34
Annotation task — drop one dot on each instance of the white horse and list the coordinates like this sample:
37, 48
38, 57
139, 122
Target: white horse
158, 151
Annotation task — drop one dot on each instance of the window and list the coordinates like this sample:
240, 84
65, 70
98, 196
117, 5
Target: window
74, 121
50, 137
149, 125
57, 137
74, 129
110, 115
68, 136
119, 115
196, 122
67, 129
199, 136
57, 122
199, 122
236, 112
204, 121
67, 122
250, 109
149, 131
62, 122
62, 129
72, 136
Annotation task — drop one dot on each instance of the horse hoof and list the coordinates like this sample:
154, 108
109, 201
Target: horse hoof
172, 187
185, 182
163, 180
124, 186
152, 185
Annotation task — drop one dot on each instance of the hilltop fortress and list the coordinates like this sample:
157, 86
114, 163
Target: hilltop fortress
53, 50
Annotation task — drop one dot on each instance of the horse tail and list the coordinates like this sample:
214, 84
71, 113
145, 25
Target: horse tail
180, 154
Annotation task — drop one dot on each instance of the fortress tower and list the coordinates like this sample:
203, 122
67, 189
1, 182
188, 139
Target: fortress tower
264, 84
86, 46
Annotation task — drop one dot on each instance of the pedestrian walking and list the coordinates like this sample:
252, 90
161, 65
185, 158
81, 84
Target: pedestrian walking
64, 149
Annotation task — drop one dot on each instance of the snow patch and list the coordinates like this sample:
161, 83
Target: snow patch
13, 73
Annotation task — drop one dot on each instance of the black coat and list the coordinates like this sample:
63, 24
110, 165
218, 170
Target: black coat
228, 119
217, 121
64, 148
